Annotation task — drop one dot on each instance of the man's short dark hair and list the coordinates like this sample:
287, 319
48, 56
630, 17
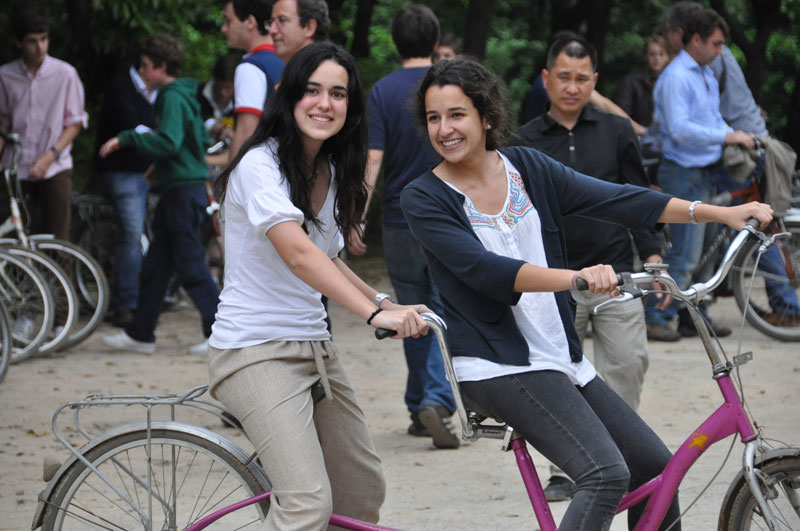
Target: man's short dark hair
704, 22
415, 31
676, 16
577, 47
260, 9
315, 10
29, 19
164, 50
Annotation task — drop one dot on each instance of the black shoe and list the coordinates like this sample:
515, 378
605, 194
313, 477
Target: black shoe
417, 428
686, 326
559, 488
436, 418
661, 332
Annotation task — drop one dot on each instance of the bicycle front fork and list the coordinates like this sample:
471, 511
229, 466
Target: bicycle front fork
751, 477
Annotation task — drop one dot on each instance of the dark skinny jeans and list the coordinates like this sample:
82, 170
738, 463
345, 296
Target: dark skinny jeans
589, 432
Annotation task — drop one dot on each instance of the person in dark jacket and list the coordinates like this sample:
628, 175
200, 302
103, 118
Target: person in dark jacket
179, 146
635, 91
127, 104
490, 222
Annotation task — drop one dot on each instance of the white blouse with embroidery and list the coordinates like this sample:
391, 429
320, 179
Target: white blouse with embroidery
516, 232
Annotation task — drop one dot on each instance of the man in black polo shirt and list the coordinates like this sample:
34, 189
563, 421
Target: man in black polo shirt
603, 145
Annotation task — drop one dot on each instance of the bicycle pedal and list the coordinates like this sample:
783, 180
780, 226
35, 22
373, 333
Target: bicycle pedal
742, 358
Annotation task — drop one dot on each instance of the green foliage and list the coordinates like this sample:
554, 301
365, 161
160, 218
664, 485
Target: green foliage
100, 36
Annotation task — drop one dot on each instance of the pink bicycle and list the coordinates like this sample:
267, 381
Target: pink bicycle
171, 475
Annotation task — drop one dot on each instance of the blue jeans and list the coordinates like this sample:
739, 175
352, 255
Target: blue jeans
177, 247
412, 284
127, 192
691, 184
589, 432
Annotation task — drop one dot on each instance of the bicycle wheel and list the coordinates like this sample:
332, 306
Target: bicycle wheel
88, 279
5, 342
65, 301
785, 277
780, 479
29, 304
191, 477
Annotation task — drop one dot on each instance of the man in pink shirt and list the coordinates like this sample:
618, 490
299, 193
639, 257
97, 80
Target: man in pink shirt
42, 99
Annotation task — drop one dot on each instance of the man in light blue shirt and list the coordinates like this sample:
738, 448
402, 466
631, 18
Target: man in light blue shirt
687, 107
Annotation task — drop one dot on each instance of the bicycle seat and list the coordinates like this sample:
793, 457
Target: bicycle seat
480, 412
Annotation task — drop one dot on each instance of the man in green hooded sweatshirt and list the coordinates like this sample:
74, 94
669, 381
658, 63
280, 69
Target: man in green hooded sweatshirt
180, 172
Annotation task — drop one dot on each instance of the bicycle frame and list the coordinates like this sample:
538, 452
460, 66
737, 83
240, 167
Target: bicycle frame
728, 419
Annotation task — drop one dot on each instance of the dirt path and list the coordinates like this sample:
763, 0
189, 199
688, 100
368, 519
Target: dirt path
476, 486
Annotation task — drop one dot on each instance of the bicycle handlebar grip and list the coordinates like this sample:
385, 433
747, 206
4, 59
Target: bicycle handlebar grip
753, 222
383, 333
582, 285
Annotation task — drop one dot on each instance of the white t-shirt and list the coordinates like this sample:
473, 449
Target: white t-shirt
262, 299
516, 232
249, 89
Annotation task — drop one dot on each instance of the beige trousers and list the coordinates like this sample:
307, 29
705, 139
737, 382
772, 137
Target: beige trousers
318, 459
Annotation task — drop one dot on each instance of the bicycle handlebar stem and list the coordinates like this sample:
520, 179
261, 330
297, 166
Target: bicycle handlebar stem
697, 292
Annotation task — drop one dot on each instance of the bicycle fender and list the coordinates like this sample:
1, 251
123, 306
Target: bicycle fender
212, 437
771, 455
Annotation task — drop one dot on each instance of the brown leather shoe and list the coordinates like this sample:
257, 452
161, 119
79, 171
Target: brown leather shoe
778, 318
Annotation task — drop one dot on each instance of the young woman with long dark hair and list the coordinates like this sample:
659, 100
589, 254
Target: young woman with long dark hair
489, 220
288, 197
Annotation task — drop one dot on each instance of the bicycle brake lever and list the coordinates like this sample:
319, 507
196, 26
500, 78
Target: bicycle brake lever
622, 298
768, 242
628, 288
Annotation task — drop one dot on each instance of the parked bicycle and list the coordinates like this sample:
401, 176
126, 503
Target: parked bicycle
768, 295
79, 287
173, 475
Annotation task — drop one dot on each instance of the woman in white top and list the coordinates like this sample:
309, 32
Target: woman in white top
489, 221
294, 188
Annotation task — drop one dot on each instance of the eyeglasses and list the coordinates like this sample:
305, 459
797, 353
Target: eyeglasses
280, 21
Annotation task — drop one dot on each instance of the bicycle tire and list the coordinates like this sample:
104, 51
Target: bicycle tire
74, 500
65, 301
5, 342
757, 306
29, 304
780, 479
88, 279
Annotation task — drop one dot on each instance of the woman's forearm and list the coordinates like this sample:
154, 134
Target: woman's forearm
678, 211
311, 265
535, 278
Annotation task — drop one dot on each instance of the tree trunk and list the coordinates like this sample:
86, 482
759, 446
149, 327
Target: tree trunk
479, 18
767, 16
360, 46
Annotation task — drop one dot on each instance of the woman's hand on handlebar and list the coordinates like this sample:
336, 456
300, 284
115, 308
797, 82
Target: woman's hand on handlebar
406, 320
738, 216
600, 278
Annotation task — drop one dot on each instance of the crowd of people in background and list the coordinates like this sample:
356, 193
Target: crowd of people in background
303, 164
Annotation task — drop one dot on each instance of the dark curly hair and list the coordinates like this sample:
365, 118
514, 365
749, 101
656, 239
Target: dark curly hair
483, 87
347, 149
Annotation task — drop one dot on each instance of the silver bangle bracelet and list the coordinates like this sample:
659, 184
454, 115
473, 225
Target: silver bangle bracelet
380, 297
691, 212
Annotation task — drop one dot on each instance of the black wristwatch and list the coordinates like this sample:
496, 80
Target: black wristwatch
56, 152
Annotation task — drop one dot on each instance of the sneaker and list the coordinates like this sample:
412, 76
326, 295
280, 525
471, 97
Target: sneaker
661, 332
417, 428
559, 488
23, 329
435, 417
123, 342
778, 318
200, 349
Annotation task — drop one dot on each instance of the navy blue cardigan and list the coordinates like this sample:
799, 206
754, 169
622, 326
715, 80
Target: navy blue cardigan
476, 285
